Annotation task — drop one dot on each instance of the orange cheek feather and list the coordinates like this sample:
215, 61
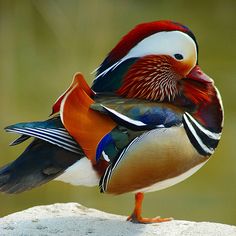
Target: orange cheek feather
86, 126
180, 68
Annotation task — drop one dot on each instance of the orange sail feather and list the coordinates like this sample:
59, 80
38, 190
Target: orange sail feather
86, 126
77, 79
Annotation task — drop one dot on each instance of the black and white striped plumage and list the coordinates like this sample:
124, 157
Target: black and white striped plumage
204, 140
51, 131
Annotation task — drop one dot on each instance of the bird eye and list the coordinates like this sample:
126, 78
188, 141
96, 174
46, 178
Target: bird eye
178, 56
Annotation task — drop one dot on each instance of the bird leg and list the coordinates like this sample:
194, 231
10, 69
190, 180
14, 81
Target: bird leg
136, 217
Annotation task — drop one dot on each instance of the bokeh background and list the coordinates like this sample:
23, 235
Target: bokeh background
43, 43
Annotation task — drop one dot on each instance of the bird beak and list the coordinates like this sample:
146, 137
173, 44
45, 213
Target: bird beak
198, 75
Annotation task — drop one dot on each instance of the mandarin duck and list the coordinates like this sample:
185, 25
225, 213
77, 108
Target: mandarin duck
150, 120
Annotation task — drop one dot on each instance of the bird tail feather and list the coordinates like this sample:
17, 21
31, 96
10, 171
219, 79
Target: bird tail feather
38, 164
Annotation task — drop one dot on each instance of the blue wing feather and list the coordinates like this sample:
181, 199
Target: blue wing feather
107, 140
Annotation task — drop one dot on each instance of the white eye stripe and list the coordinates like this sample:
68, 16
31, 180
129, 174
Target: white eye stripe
161, 43
166, 43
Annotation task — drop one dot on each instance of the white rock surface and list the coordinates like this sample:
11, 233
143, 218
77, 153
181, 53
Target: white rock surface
74, 219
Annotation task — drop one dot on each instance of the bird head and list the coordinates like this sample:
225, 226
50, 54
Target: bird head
155, 61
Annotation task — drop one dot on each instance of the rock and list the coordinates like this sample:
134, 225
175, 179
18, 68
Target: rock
75, 219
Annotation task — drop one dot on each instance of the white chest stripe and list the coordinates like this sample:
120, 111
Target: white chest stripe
210, 134
198, 139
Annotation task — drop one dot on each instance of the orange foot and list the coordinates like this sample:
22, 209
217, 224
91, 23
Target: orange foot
136, 217
141, 220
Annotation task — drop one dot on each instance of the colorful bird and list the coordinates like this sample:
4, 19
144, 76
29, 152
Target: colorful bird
150, 120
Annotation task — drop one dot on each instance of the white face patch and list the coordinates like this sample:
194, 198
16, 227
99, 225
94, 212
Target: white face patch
167, 43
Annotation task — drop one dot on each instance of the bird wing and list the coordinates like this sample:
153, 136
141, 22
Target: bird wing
133, 117
137, 114
51, 131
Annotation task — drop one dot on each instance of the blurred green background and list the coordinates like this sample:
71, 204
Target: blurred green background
43, 43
